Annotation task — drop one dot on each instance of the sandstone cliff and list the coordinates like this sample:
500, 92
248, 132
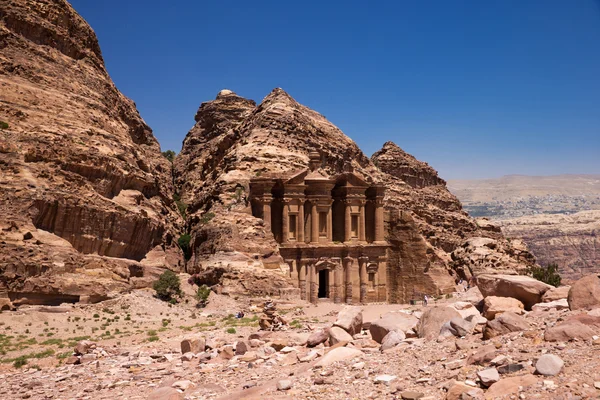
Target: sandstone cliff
234, 140
571, 241
85, 195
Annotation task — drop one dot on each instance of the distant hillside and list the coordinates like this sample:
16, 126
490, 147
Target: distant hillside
557, 216
520, 195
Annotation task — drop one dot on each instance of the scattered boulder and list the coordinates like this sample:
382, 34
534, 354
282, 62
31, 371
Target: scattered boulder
505, 323
555, 294
579, 327
317, 337
337, 355
483, 355
241, 348
433, 319
350, 319
561, 304
508, 386
493, 305
549, 365
284, 384
585, 293
473, 296
465, 309
524, 288
393, 321
488, 376
462, 326
409, 395
84, 347
392, 339
6, 304
337, 335
457, 389
195, 345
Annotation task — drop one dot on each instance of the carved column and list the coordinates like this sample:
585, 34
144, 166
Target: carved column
266, 204
348, 278
379, 231
362, 223
348, 222
314, 222
329, 223
285, 220
362, 263
338, 277
300, 222
302, 279
314, 286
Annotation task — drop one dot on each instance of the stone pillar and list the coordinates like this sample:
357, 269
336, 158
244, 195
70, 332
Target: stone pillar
314, 221
293, 276
379, 231
348, 278
329, 223
266, 204
362, 223
314, 285
348, 222
382, 279
338, 277
285, 221
302, 279
300, 222
362, 262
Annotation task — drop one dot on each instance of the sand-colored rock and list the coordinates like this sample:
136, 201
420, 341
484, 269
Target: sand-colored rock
585, 293
508, 386
494, 305
524, 288
433, 319
505, 323
555, 294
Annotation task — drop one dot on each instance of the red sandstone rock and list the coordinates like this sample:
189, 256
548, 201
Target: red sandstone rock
585, 293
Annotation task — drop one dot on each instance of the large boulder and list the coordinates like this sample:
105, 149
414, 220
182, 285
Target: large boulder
392, 339
465, 309
580, 327
338, 354
524, 288
505, 323
494, 305
585, 293
433, 319
350, 319
337, 335
561, 304
555, 294
393, 321
508, 386
317, 337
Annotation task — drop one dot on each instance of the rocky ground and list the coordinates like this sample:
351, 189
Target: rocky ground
139, 347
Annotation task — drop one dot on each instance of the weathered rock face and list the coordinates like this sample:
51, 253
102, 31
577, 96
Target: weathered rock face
570, 241
81, 175
235, 140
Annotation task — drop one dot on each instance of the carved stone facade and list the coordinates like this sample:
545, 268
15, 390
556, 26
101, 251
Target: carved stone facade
330, 231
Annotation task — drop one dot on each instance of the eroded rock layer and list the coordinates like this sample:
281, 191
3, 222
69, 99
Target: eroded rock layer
81, 175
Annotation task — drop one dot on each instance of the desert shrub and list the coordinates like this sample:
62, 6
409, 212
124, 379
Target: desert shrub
231, 330
3, 125
548, 274
202, 295
184, 244
20, 361
169, 155
181, 206
206, 218
167, 286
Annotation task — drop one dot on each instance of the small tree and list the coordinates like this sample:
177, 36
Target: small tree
167, 286
548, 274
169, 155
202, 295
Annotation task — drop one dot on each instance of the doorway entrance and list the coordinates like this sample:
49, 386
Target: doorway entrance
323, 283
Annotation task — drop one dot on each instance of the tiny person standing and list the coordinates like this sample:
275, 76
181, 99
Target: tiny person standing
425, 299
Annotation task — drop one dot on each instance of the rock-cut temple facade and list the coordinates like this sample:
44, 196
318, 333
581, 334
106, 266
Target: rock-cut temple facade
330, 232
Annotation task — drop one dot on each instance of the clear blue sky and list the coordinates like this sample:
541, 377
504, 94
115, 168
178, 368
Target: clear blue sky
476, 88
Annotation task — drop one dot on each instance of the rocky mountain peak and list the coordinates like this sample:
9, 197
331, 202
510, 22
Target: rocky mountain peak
392, 160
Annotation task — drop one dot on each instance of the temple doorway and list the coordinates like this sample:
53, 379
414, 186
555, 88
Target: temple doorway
323, 283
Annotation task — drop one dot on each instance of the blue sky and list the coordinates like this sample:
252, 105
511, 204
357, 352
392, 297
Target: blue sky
476, 88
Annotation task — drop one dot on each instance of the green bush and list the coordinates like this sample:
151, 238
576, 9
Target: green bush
548, 274
20, 361
202, 295
231, 330
206, 218
184, 243
169, 155
3, 125
167, 286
